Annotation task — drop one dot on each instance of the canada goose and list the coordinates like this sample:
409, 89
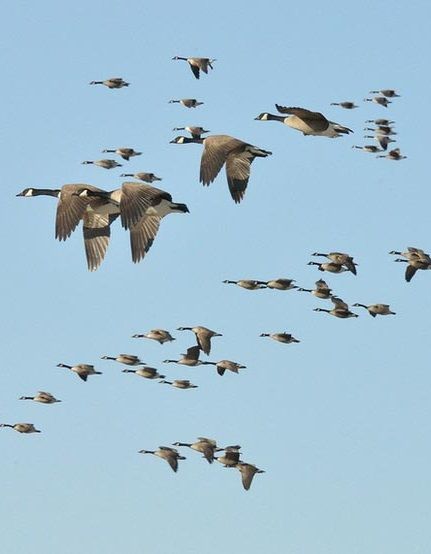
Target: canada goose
71, 208
224, 365
309, 123
340, 258
247, 284
197, 64
160, 335
191, 358
345, 105
180, 384
380, 121
113, 82
279, 284
106, 164
383, 140
340, 310
332, 267
21, 427
285, 338
82, 370
322, 290
380, 100
127, 359
382, 130
248, 471
146, 372
413, 265
125, 153
142, 176
388, 92
166, 453
42, 397
369, 148
205, 446
394, 155
203, 336
413, 253
196, 132
376, 309
230, 458
187, 102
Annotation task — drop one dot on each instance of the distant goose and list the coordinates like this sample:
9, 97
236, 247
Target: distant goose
197, 64
226, 365
82, 370
388, 92
345, 105
380, 121
106, 164
340, 310
166, 453
142, 176
231, 457
394, 155
340, 258
21, 427
376, 309
279, 284
413, 265
113, 82
332, 267
190, 358
125, 153
322, 290
187, 102
146, 372
196, 132
309, 123
205, 446
383, 140
160, 335
247, 284
285, 338
180, 384
42, 397
248, 471
127, 359
413, 253
380, 100
381, 130
203, 336
371, 148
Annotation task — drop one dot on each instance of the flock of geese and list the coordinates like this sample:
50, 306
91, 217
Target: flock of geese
141, 208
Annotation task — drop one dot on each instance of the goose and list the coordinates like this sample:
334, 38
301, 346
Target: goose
394, 155
142, 176
21, 427
196, 132
128, 359
376, 309
190, 358
388, 92
71, 209
380, 100
248, 471
187, 102
166, 453
285, 338
160, 335
413, 265
197, 64
224, 365
345, 105
412, 253
371, 148
340, 258
309, 123
380, 121
113, 82
180, 384
247, 284
146, 372
203, 336
106, 164
125, 153
230, 458
205, 446
382, 130
322, 290
340, 310
279, 284
332, 267
42, 397
82, 370
383, 140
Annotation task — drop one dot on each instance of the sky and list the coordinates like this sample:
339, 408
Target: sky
339, 422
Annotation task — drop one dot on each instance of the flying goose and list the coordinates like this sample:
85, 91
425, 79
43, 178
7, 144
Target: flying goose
205, 446
125, 153
146, 372
394, 155
376, 309
279, 284
224, 365
166, 453
381, 130
388, 92
309, 123
187, 102
160, 335
340, 310
128, 359
197, 64
21, 427
196, 132
285, 338
142, 176
230, 458
82, 370
383, 140
42, 397
248, 284
190, 358
371, 148
106, 164
340, 258
380, 121
322, 290
332, 267
113, 82
413, 265
248, 471
203, 336
180, 384
380, 100
345, 105
413, 253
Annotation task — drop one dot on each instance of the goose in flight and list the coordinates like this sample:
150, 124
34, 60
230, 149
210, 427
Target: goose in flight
376, 309
340, 258
203, 336
285, 338
197, 64
322, 290
380, 100
106, 164
21, 427
279, 284
248, 471
205, 446
190, 358
127, 359
180, 384
82, 370
142, 176
415, 263
371, 148
226, 365
248, 284
146, 372
113, 82
394, 154
196, 131
341, 309
125, 153
171, 455
159, 335
187, 102
42, 397
346, 105
387, 92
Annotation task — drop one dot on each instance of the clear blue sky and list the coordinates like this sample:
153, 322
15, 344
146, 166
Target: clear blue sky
339, 422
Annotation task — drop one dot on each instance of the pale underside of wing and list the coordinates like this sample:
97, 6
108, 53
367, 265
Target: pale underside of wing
70, 209
97, 231
316, 120
136, 198
142, 236
238, 173
204, 342
216, 151
247, 477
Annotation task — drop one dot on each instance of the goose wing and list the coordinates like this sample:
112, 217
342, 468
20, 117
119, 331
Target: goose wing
195, 69
136, 199
142, 236
315, 120
339, 303
216, 150
70, 209
97, 231
193, 352
410, 272
322, 285
238, 173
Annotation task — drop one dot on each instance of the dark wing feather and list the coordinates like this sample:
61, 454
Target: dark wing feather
316, 120
173, 462
142, 236
70, 210
82, 376
238, 173
204, 342
221, 370
193, 352
96, 229
135, 200
216, 151
410, 271
195, 70
247, 477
